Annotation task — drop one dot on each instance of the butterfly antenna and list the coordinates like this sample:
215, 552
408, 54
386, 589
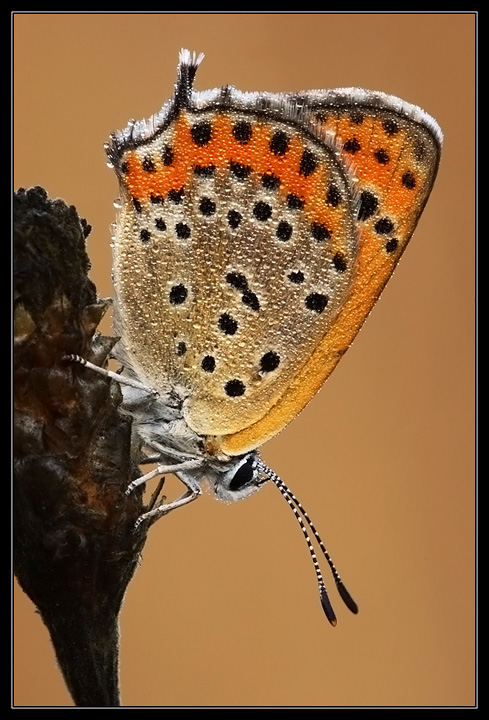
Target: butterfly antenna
323, 595
296, 505
345, 595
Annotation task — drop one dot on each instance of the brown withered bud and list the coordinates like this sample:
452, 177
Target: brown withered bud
75, 547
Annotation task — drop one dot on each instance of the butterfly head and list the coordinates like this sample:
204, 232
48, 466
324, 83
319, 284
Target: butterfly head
241, 477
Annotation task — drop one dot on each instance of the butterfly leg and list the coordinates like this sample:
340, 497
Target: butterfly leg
162, 470
192, 493
150, 459
121, 379
164, 450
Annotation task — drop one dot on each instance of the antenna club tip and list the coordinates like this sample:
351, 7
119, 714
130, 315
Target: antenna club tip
347, 598
326, 605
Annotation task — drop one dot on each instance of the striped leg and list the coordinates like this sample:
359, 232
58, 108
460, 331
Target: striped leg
121, 379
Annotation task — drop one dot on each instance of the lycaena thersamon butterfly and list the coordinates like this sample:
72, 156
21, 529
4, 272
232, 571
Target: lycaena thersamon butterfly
255, 232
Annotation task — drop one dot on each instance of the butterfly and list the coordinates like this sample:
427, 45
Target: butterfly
255, 231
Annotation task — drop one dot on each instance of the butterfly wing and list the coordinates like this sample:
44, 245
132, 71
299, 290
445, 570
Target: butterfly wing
393, 150
234, 251
239, 272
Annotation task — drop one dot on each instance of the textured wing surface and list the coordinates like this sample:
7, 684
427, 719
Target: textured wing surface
234, 251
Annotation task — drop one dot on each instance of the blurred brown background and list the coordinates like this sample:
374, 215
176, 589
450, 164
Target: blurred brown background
224, 609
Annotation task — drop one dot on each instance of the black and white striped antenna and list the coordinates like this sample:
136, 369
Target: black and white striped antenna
298, 509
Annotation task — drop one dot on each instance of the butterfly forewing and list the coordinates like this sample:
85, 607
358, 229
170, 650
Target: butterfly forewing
234, 252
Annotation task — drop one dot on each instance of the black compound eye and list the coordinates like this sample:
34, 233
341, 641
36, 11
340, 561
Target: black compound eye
242, 476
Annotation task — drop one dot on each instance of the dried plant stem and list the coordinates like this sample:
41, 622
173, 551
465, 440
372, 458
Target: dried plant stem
75, 548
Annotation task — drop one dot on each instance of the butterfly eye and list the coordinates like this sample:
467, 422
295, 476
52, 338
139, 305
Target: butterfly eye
243, 475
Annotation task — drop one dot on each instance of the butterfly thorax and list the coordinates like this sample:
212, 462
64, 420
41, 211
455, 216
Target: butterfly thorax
158, 420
